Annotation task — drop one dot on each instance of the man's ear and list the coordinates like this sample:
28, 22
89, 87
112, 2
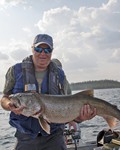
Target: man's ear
32, 47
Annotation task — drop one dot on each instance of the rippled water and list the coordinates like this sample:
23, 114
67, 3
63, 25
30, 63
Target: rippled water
89, 129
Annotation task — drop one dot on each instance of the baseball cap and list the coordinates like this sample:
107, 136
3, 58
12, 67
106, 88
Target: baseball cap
43, 39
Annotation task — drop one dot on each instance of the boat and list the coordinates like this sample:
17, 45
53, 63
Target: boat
107, 140
74, 141
91, 145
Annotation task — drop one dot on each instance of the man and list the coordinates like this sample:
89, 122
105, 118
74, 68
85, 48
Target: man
37, 73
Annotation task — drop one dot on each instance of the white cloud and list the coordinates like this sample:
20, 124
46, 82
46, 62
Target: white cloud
19, 54
11, 2
86, 39
26, 29
55, 19
8, 3
3, 56
19, 50
86, 34
115, 56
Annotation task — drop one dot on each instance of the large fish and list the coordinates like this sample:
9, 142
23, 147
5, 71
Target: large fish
63, 109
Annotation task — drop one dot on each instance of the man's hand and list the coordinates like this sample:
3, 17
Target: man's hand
7, 104
16, 110
86, 113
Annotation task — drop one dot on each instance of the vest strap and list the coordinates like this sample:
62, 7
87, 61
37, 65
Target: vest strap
28, 74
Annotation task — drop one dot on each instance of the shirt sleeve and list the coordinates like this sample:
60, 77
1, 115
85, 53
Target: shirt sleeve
9, 82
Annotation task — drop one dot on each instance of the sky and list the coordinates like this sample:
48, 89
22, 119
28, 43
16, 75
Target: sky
86, 35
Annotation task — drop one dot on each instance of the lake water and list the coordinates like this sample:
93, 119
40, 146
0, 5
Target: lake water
89, 129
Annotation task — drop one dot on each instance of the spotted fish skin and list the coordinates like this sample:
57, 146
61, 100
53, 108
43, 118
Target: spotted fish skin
61, 108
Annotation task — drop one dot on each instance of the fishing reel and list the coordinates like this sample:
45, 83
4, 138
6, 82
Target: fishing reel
71, 135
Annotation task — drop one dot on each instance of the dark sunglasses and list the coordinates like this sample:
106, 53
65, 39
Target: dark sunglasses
40, 49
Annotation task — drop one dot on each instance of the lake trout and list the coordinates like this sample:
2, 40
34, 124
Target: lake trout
63, 109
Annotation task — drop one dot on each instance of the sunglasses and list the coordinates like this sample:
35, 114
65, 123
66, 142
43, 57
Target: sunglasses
40, 49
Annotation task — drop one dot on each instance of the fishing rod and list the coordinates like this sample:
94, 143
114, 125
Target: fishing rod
75, 136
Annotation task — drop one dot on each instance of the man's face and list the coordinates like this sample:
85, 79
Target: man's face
41, 60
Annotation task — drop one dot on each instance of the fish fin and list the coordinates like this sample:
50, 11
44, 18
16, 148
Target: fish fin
117, 127
88, 92
112, 122
38, 113
44, 124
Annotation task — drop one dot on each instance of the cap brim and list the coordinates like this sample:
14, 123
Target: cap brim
35, 45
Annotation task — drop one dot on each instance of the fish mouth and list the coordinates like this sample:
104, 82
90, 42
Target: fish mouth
15, 100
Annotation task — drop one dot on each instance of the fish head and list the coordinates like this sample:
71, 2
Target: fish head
15, 98
21, 97
30, 101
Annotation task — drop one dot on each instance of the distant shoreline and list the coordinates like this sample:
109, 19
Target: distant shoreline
100, 84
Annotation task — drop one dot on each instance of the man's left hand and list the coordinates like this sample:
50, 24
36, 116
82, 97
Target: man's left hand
86, 113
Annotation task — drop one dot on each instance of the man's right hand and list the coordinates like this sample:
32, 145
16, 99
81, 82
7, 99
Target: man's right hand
16, 110
10, 106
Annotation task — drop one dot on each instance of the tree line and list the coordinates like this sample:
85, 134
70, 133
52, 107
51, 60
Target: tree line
100, 84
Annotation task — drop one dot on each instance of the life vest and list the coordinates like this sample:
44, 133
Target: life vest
50, 85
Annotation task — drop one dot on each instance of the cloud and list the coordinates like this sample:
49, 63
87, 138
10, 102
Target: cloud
11, 2
26, 29
88, 28
81, 62
56, 19
19, 54
8, 3
3, 56
86, 38
115, 58
19, 50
